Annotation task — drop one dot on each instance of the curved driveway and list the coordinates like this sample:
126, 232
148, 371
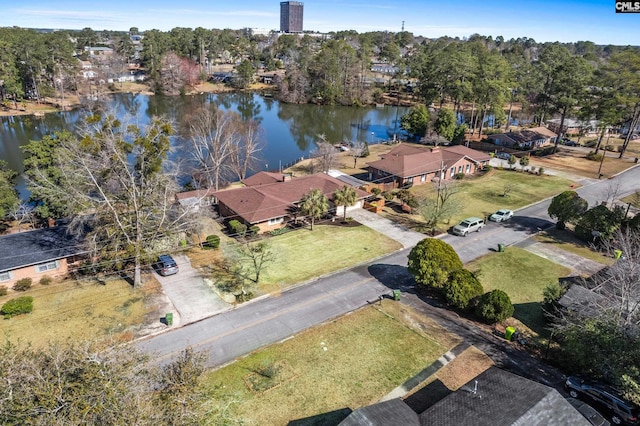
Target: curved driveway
262, 322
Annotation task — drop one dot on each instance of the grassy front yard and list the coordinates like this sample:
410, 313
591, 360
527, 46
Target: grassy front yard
75, 310
483, 195
350, 362
304, 254
567, 241
523, 276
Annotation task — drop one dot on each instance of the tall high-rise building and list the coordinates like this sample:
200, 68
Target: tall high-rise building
291, 16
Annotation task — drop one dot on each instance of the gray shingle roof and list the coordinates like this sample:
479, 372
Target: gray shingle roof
389, 413
503, 399
38, 246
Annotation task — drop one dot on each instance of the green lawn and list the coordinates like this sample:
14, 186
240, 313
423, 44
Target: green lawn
350, 362
303, 254
523, 276
566, 240
483, 195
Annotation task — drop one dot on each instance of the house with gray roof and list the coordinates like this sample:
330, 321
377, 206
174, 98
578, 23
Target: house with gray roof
495, 397
34, 254
526, 138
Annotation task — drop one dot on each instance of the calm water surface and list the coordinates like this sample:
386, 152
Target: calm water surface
290, 131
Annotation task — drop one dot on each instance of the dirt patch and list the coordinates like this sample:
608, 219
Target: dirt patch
463, 368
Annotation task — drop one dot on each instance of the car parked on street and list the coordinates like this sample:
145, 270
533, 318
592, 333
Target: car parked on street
470, 224
589, 412
604, 398
503, 155
501, 215
166, 265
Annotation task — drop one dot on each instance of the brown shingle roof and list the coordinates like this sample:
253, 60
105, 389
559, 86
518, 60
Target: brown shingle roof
529, 135
262, 178
406, 160
257, 204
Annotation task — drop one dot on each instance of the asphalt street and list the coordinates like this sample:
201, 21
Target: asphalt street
234, 333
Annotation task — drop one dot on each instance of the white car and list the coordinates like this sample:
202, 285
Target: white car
501, 215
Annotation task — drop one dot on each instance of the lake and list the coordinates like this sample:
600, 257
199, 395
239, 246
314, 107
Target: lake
290, 131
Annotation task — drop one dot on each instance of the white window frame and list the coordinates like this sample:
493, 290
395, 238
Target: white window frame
423, 178
5, 276
410, 180
48, 266
276, 221
453, 171
468, 168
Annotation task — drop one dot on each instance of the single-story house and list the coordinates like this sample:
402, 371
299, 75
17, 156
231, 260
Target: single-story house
34, 254
525, 138
410, 164
270, 199
495, 397
573, 127
196, 198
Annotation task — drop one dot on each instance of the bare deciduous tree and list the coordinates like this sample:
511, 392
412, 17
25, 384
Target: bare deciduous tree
211, 137
441, 206
325, 155
115, 176
245, 152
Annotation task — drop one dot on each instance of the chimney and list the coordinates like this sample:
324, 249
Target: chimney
435, 149
51, 222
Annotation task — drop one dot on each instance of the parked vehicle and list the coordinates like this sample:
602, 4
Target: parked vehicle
604, 398
470, 224
501, 215
503, 155
166, 265
589, 412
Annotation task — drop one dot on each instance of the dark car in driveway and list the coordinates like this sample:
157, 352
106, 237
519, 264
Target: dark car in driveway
588, 412
166, 265
604, 398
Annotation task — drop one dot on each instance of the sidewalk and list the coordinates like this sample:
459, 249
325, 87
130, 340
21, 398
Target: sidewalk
578, 264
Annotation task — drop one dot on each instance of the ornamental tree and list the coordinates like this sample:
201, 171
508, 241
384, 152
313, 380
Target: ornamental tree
431, 261
567, 207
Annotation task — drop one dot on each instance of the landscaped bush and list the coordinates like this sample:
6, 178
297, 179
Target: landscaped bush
212, 242
461, 288
376, 191
3, 290
280, 231
17, 306
590, 143
23, 284
389, 195
494, 306
459, 176
254, 230
594, 157
552, 292
541, 171
487, 167
237, 228
46, 280
431, 261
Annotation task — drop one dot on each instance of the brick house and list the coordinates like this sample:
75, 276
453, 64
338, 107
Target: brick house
525, 138
38, 253
270, 200
410, 164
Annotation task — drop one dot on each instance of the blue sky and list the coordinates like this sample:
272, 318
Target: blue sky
542, 20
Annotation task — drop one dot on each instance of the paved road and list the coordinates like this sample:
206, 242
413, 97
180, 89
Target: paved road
269, 320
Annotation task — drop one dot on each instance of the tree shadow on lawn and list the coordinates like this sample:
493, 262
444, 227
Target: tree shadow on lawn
531, 315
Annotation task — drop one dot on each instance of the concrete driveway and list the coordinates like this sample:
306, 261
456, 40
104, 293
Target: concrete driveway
190, 295
391, 229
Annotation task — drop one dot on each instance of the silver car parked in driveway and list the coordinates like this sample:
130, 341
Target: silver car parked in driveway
470, 224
